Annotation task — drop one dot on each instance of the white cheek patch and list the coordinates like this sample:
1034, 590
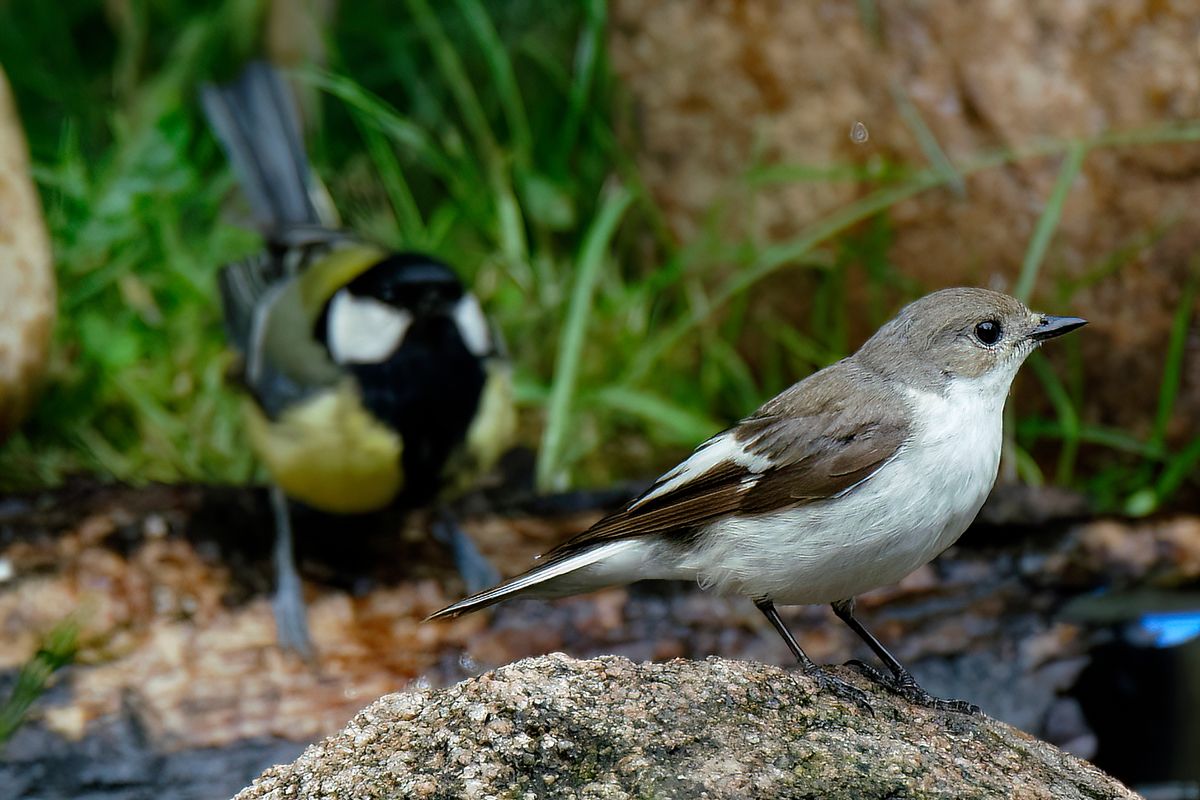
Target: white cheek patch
363, 330
473, 325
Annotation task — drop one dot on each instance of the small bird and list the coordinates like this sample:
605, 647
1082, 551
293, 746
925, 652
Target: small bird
847, 481
374, 377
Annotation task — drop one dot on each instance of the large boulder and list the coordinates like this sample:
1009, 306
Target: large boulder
27, 287
721, 87
610, 728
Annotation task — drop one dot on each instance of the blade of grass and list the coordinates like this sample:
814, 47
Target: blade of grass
454, 74
404, 205
510, 229
1068, 418
771, 174
503, 77
588, 53
771, 259
1168, 391
671, 421
550, 470
1048, 222
1112, 438
391, 122
928, 143
57, 650
1179, 468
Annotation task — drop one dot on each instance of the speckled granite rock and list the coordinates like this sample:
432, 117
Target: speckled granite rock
609, 728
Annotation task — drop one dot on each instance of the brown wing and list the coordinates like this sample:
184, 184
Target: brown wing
814, 441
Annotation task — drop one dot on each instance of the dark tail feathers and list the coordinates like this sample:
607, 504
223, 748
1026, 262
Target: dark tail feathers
256, 122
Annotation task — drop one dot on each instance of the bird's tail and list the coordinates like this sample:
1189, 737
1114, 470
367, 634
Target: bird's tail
603, 565
256, 122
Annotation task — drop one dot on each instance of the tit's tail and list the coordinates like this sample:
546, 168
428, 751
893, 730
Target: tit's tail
602, 565
256, 122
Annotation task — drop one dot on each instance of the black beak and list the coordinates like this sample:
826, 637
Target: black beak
1050, 327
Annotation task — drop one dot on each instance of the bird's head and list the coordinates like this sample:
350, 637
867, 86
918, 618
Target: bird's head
367, 320
968, 334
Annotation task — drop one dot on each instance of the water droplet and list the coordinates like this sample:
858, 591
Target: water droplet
858, 133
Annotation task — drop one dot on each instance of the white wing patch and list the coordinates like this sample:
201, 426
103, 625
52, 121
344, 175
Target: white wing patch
473, 325
720, 449
363, 330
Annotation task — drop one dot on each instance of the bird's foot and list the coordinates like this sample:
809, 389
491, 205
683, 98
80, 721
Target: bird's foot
291, 623
828, 683
476, 571
906, 686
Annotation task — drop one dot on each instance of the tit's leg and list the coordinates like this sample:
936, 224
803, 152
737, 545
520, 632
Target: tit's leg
824, 680
476, 571
291, 620
901, 681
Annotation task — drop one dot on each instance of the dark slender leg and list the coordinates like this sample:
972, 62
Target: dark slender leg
476, 571
902, 682
810, 667
291, 621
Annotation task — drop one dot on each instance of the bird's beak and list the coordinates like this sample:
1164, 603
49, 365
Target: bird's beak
1050, 327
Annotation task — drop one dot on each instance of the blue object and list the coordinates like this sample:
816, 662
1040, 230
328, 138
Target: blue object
1171, 628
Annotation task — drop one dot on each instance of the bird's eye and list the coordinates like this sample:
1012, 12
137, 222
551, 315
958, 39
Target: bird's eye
988, 331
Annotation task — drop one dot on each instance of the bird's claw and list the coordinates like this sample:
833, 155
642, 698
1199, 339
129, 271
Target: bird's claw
828, 683
906, 686
291, 624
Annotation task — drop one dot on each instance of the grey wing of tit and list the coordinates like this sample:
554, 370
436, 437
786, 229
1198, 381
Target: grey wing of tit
256, 122
810, 443
282, 362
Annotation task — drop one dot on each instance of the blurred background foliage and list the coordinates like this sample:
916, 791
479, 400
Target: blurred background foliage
495, 135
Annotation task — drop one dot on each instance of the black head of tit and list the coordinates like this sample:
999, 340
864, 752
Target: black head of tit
373, 377
427, 362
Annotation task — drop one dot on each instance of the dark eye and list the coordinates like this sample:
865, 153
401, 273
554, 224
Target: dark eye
988, 331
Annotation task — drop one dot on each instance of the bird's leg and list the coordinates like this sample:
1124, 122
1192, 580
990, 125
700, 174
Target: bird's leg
901, 681
476, 571
823, 679
291, 621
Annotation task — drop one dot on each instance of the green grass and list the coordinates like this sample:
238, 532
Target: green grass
57, 651
487, 133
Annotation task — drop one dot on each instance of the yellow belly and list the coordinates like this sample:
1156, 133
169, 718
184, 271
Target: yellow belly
329, 452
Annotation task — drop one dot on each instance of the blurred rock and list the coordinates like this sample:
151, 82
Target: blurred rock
722, 86
27, 289
610, 728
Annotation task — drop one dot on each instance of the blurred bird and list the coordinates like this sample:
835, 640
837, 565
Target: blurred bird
374, 377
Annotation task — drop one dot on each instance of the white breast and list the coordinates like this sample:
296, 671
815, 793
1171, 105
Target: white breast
908, 512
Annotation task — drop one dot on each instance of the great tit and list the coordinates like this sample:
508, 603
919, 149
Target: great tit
373, 377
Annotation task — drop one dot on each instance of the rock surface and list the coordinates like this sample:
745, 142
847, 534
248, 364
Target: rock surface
609, 728
27, 288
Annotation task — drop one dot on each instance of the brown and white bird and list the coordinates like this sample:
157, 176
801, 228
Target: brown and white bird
847, 481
